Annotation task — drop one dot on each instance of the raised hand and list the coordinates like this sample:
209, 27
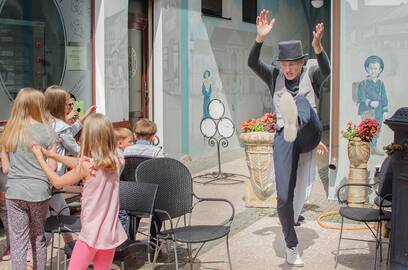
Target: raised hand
317, 38
88, 112
263, 25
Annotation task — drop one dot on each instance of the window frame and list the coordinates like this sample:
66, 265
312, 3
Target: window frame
249, 19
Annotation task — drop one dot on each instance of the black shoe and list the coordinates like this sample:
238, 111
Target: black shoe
297, 224
301, 218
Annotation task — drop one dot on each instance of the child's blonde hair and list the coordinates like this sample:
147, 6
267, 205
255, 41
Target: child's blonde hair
122, 133
144, 129
29, 102
55, 100
98, 142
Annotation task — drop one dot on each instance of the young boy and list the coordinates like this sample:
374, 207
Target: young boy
123, 138
145, 132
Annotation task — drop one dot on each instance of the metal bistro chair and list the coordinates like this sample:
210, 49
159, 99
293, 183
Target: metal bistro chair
175, 200
128, 174
366, 216
60, 224
131, 163
138, 200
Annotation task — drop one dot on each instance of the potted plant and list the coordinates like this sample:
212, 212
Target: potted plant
258, 134
358, 149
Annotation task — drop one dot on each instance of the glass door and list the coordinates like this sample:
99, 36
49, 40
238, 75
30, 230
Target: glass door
137, 34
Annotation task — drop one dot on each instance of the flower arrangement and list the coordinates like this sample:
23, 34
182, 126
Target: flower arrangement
365, 131
266, 123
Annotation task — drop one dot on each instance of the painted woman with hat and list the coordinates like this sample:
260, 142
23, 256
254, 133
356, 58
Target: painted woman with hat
295, 88
372, 97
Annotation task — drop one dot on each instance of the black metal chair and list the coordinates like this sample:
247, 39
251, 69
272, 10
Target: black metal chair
59, 224
138, 200
366, 216
131, 163
175, 200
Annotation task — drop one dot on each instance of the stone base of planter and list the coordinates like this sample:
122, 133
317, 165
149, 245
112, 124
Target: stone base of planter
251, 200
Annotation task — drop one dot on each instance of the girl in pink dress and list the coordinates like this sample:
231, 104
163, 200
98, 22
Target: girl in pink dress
98, 166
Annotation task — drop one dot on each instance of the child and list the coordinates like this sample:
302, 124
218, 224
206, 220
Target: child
98, 166
28, 189
372, 97
3, 210
56, 99
123, 138
145, 132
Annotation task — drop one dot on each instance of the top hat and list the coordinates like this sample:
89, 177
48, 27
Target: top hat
291, 50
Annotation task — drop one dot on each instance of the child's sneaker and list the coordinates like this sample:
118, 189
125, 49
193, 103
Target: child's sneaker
289, 114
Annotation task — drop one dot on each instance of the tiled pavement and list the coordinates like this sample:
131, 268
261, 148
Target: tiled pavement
256, 239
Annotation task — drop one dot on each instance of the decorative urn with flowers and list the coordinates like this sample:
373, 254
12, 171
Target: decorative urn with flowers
258, 134
358, 149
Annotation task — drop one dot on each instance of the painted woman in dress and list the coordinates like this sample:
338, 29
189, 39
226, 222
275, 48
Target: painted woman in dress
206, 91
372, 97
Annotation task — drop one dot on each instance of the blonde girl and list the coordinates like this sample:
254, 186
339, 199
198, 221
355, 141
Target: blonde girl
98, 166
28, 189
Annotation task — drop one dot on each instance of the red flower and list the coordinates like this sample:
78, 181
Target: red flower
267, 122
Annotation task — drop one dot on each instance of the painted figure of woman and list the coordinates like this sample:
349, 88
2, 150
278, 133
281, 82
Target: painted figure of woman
206, 92
372, 97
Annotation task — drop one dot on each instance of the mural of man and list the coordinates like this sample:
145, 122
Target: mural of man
372, 97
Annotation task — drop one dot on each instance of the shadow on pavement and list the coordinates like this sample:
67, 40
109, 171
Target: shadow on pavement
306, 239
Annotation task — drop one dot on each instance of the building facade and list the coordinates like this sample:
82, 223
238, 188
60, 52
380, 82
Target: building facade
165, 59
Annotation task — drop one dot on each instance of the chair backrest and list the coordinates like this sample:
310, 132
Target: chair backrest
131, 163
137, 197
175, 192
385, 178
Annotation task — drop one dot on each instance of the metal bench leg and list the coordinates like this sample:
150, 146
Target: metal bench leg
58, 252
175, 254
52, 250
228, 252
338, 246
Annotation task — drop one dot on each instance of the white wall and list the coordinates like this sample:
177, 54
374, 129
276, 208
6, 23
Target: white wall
111, 50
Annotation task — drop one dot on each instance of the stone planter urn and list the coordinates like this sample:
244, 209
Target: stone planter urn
258, 150
358, 154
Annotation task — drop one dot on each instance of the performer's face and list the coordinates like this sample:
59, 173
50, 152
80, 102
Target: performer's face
292, 69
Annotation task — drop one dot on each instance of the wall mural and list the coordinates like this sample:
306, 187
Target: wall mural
206, 91
374, 50
372, 97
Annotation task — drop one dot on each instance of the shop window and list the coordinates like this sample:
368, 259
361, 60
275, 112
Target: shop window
249, 10
43, 43
211, 7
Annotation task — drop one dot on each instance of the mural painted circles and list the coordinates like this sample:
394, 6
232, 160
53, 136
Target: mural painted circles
216, 109
225, 127
208, 127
